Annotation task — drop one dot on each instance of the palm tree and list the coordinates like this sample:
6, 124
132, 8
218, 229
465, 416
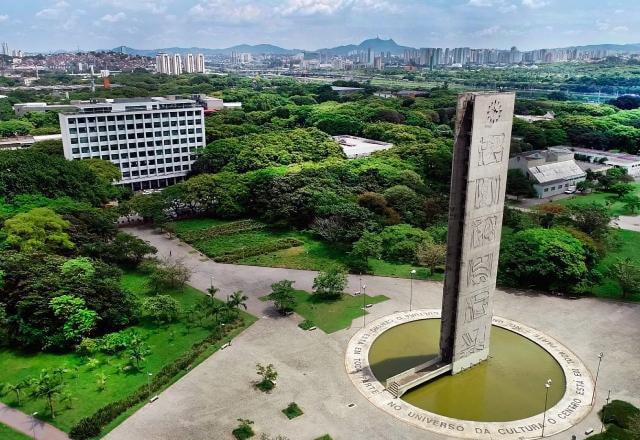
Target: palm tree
137, 352
238, 299
47, 386
17, 388
60, 372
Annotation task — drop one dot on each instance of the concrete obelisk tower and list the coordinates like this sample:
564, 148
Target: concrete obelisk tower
478, 183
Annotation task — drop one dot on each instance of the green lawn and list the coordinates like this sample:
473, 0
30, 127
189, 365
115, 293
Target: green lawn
616, 206
7, 433
166, 344
629, 247
193, 224
331, 315
312, 254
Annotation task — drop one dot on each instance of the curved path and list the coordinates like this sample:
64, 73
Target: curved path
28, 425
207, 402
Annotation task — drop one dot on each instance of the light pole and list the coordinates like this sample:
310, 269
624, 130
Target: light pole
413, 272
149, 384
33, 426
595, 384
364, 305
546, 400
604, 411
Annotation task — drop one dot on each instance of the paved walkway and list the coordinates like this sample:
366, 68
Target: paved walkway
28, 425
205, 403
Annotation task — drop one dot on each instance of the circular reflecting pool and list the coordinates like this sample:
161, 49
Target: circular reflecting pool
508, 386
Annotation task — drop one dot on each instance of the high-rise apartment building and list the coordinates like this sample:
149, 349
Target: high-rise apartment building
175, 64
153, 141
200, 63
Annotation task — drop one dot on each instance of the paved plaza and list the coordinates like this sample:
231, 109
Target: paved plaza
206, 403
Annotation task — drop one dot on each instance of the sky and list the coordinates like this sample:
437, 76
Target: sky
38, 25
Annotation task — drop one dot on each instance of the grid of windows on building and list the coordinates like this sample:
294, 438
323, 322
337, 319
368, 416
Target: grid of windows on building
153, 142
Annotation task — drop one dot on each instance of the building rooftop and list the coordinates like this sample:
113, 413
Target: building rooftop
133, 104
557, 171
613, 158
354, 146
346, 89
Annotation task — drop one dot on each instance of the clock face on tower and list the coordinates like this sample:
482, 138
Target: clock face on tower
494, 112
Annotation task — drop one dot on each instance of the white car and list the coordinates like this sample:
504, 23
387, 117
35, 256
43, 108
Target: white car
571, 190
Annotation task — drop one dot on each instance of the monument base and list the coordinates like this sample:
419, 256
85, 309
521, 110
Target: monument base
569, 408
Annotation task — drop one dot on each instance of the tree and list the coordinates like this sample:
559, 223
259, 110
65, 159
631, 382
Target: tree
137, 351
38, 229
244, 430
126, 250
171, 274
622, 189
268, 375
519, 185
283, 296
592, 218
431, 255
236, 300
79, 321
103, 169
631, 203
547, 259
18, 388
47, 386
162, 308
330, 284
585, 186
50, 147
627, 275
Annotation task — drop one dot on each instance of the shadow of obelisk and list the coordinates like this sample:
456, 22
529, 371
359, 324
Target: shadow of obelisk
478, 183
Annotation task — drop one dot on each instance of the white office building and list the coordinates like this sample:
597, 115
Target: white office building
153, 141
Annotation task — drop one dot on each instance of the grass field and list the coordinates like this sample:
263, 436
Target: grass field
332, 315
616, 207
311, 254
166, 344
7, 433
629, 247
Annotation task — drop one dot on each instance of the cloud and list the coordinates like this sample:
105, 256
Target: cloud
535, 4
3, 18
151, 7
114, 18
489, 31
52, 13
226, 11
331, 7
620, 29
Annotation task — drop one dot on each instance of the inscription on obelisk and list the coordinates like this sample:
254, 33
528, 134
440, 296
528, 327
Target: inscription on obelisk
478, 183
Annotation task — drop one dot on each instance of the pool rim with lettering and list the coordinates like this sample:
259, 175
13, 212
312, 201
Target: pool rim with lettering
574, 405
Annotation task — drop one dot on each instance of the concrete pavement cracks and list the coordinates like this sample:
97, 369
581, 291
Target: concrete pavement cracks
205, 403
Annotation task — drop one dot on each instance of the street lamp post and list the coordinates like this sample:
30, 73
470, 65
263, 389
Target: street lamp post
413, 272
546, 400
595, 383
33, 426
149, 384
364, 305
604, 411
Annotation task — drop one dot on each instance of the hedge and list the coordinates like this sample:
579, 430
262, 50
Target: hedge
238, 254
91, 426
219, 230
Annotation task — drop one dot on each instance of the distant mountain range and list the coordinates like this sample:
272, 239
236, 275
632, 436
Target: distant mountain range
375, 44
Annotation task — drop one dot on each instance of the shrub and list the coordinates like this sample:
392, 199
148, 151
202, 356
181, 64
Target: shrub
269, 375
114, 342
306, 324
292, 411
243, 431
87, 347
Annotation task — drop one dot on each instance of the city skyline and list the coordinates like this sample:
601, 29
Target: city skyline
311, 25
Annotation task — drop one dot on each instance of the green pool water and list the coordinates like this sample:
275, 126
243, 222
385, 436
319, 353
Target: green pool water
508, 386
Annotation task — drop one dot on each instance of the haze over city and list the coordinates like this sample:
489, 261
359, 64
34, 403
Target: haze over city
312, 24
